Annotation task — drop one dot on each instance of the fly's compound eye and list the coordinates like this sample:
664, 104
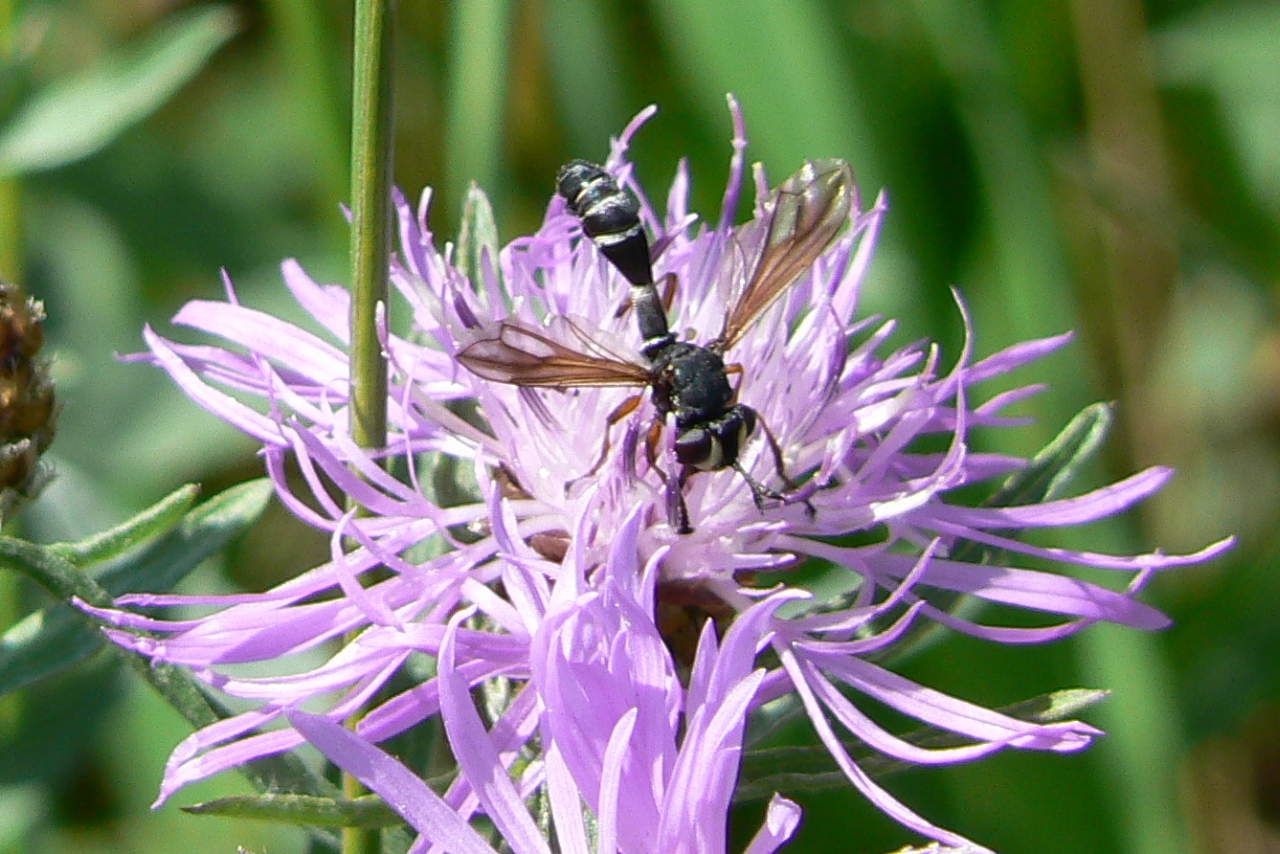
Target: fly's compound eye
696, 447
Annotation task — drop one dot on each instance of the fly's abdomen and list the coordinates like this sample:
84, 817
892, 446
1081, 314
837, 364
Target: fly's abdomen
610, 216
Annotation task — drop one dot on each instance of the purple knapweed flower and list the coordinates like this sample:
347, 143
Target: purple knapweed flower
635, 647
657, 764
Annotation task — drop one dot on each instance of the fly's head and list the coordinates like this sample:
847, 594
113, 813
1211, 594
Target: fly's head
714, 444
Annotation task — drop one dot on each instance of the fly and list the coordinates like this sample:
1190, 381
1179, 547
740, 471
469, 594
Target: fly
690, 381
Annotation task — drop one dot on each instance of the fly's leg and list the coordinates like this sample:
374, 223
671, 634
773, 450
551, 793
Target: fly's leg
677, 512
668, 291
776, 450
620, 412
651, 447
759, 492
791, 485
730, 370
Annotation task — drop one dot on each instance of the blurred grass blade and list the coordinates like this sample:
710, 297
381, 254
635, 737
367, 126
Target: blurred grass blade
369, 811
55, 638
74, 117
796, 81
586, 48
810, 768
479, 45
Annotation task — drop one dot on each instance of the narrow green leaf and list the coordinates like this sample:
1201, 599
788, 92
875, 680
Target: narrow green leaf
75, 117
56, 638
281, 772
1048, 473
369, 811
1058, 705
47, 567
810, 768
155, 520
61, 636
42, 644
1059, 461
1043, 478
203, 532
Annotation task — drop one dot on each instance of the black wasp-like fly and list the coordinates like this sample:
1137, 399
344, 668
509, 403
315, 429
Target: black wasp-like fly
801, 217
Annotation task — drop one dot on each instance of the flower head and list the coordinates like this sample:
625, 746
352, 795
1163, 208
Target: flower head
639, 647
28, 413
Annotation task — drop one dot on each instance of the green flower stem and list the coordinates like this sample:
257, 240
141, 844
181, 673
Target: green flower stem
371, 152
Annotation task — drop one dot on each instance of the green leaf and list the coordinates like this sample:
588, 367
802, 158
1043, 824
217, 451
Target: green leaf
1048, 473
202, 533
281, 772
73, 118
1043, 478
46, 566
369, 811
60, 636
1059, 461
154, 520
44, 643
810, 768
55, 638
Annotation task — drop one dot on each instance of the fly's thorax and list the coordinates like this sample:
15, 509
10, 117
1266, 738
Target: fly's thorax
690, 381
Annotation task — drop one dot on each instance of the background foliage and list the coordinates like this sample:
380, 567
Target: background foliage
1107, 166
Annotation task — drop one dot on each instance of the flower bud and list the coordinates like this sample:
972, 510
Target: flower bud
27, 406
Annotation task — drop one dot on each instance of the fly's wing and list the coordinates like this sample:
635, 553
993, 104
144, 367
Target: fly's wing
510, 352
804, 214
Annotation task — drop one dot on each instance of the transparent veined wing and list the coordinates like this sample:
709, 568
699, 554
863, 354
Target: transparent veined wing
804, 214
511, 352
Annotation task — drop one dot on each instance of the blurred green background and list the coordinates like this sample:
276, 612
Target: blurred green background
1107, 166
